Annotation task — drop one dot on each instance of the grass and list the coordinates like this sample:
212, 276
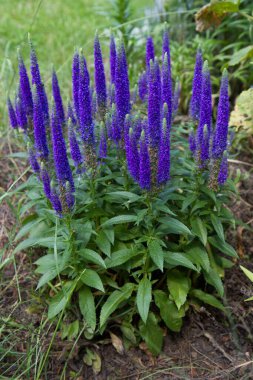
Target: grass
56, 28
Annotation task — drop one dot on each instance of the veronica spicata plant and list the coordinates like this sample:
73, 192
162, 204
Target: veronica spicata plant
131, 218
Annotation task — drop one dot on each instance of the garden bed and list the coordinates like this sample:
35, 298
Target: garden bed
210, 345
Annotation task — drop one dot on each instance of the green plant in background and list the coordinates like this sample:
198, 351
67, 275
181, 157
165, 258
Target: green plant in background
242, 116
249, 274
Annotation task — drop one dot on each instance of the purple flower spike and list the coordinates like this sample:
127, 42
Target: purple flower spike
55, 201
115, 127
113, 55
62, 168
44, 102
143, 86
221, 131
75, 83
25, 89
192, 143
74, 146
99, 76
176, 97
40, 137
57, 98
35, 70
205, 147
12, 115
21, 114
145, 169
150, 51
196, 87
46, 181
71, 115
202, 140
132, 155
163, 171
85, 110
154, 104
33, 160
167, 87
70, 199
112, 94
94, 104
223, 173
102, 143
122, 91
166, 45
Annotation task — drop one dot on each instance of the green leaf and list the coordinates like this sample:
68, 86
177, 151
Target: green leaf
92, 279
60, 300
222, 246
114, 300
119, 220
190, 199
164, 208
213, 278
199, 229
152, 334
120, 257
87, 306
179, 286
241, 55
103, 243
198, 256
172, 317
110, 234
27, 228
118, 195
247, 273
92, 256
42, 242
173, 226
217, 226
207, 298
176, 259
156, 253
143, 299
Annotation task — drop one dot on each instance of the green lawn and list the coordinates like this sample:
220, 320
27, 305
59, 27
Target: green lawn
56, 28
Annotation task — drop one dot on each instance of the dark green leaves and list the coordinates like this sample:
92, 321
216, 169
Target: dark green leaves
92, 279
119, 220
172, 226
120, 257
176, 259
207, 298
222, 246
170, 314
156, 253
179, 285
143, 299
152, 334
92, 256
113, 301
218, 226
87, 306
199, 229
60, 300
103, 243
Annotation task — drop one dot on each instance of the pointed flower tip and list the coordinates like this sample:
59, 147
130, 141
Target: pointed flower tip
164, 124
205, 66
225, 72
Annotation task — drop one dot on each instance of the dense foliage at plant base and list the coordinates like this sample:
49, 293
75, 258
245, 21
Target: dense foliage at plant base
133, 225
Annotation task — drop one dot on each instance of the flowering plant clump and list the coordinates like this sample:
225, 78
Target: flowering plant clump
133, 225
